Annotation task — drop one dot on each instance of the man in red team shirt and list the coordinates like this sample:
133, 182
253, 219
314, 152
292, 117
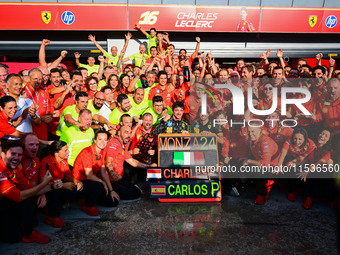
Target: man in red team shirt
117, 153
41, 100
17, 216
329, 108
264, 152
162, 89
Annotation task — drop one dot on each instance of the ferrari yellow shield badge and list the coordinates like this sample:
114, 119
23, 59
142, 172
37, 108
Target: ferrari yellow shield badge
46, 16
312, 20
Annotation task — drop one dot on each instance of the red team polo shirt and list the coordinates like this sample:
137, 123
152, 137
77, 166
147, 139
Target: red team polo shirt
115, 150
31, 171
265, 150
41, 99
330, 113
165, 94
5, 127
88, 158
297, 151
58, 171
12, 182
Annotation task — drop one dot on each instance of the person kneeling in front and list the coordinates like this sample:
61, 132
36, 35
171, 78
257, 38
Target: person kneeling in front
89, 168
17, 215
117, 153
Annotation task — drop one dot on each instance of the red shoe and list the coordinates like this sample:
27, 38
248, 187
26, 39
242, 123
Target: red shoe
308, 203
260, 200
291, 196
92, 211
36, 237
55, 222
269, 185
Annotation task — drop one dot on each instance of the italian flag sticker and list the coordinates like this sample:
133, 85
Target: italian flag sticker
188, 158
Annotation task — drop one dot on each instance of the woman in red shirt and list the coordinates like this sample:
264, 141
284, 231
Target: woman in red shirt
65, 187
320, 156
91, 85
294, 153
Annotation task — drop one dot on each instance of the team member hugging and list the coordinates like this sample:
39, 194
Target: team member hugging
67, 188
117, 153
17, 215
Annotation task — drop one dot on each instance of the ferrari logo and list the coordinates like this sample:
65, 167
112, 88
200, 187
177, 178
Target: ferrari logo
312, 20
46, 16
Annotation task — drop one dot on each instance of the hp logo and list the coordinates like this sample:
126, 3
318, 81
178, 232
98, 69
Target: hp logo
68, 17
331, 21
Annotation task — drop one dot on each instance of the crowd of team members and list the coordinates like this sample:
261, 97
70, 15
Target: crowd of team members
95, 127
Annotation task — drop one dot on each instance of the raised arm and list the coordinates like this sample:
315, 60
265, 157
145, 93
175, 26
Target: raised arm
42, 54
128, 36
56, 62
77, 56
101, 67
331, 66
279, 54
92, 38
198, 40
141, 29
318, 58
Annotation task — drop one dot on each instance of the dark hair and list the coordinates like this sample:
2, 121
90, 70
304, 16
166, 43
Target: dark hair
162, 73
154, 29
178, 104
308, 66
56, 146
6, 99
303, 132
157, 99
323, 70
168, 66
75, 72
101, 131
81, 94
249, 68
124, 116
55, 70
10, 76
121, 97
153, 47
183, 50
105, 88
277, 68
87, 81
81, 68
6, 145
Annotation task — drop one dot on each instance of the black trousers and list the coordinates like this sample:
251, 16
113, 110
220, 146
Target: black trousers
56, 198
93, 191
16, 219
125, 191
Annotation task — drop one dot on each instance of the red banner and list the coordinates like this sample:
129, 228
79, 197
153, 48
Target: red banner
63, 17
194, 18
33, 16
300, 20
